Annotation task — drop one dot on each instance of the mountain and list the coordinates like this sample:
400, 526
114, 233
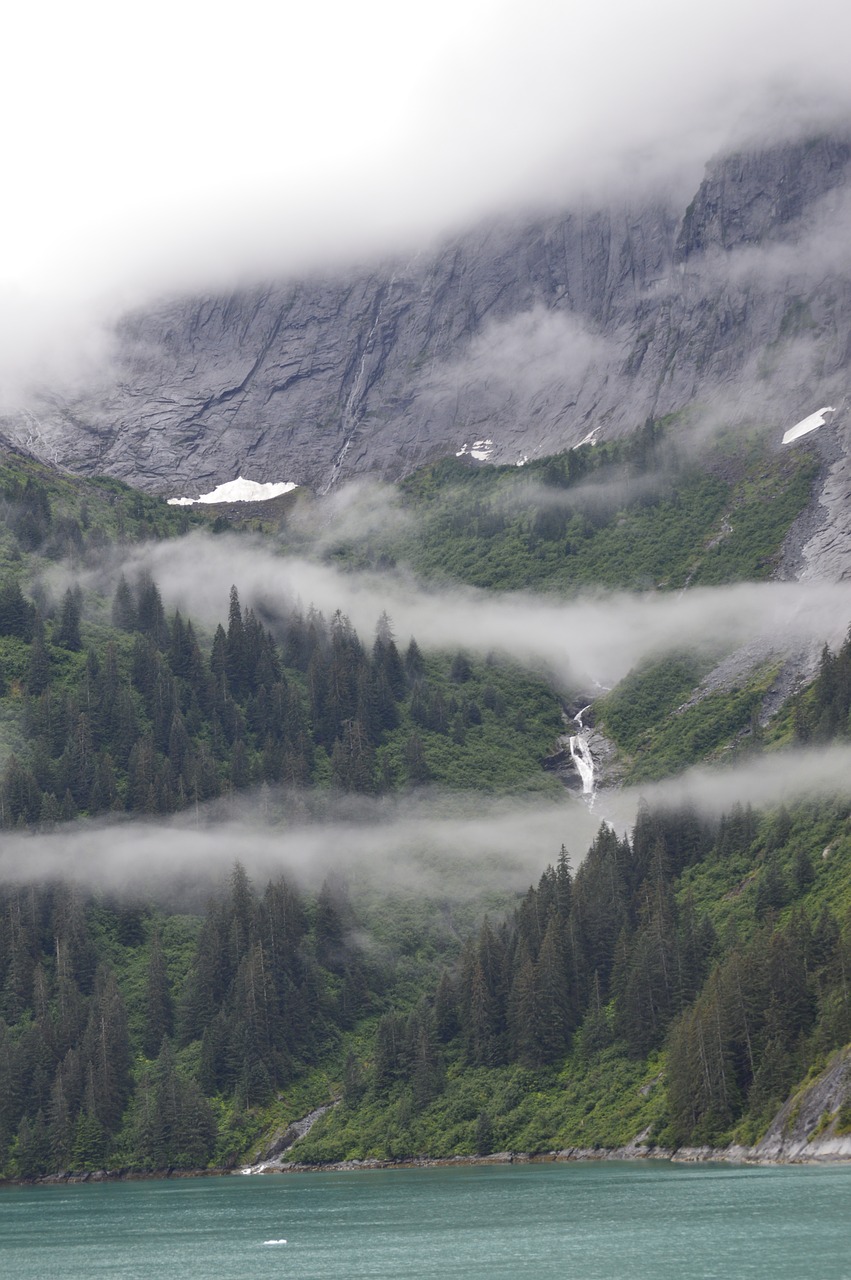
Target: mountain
687, 984
530, 332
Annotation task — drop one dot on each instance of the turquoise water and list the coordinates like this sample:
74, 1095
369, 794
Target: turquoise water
586, 1221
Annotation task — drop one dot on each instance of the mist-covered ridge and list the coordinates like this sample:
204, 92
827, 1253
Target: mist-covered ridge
361, 698
532, 332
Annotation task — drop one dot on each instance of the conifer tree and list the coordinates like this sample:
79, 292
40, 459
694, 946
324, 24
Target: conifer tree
388, 1051
235, 655
38, 668
150, 615
32, 1148
159, 1007
414, 662
106, 1046
524, 1014
123, 606
67, 633
482, 1029
16, 613
60, 1125
484, 1134
555, 1014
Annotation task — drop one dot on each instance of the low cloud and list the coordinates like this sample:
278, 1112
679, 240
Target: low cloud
355, 512
596, 497
432, 843
514, 369
534, 353
817, 775
811, 253
437, 844
591, 638
350, 131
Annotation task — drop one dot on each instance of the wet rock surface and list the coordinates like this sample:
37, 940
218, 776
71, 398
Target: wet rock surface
272, 1159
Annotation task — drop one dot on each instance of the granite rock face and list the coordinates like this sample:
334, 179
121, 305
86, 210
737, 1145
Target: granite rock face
532, 335
808, 1127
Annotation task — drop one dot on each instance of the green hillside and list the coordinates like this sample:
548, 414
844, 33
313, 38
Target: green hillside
678, 984
640, 513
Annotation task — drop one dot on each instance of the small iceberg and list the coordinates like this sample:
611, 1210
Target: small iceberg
239, 490
806, 425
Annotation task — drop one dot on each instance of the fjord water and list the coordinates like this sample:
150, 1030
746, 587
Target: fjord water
644, 1220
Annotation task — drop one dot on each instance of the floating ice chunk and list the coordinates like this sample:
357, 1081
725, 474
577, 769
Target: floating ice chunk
806, 425
238, 490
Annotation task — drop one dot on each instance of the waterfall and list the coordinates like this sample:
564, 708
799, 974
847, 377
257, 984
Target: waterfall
580, 754
581, 757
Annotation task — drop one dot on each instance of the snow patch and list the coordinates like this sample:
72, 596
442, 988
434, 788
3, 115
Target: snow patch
238, 490
482, 450
806, 425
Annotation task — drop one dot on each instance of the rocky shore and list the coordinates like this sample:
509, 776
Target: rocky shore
810, 1128
820, 1151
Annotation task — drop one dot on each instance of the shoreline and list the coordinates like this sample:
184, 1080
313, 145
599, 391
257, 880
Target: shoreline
571, 1155
732, 1155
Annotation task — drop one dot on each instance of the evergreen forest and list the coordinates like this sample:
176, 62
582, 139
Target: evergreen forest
679, 982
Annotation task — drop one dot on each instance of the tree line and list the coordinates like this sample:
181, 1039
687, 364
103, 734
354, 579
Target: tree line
127, 1042
823, 712
144, 721
619, 957
95, 1071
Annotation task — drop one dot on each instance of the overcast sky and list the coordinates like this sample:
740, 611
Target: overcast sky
178, 142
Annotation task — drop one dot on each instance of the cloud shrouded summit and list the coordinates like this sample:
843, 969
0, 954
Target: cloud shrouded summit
185, 147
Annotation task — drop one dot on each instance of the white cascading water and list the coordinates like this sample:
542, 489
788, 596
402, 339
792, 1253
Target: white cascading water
581, 755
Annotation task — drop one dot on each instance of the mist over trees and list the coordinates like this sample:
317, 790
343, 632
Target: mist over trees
143, 721
682, 980
132, 1037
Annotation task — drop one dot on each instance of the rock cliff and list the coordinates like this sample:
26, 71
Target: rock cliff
812, 1127
532, 334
